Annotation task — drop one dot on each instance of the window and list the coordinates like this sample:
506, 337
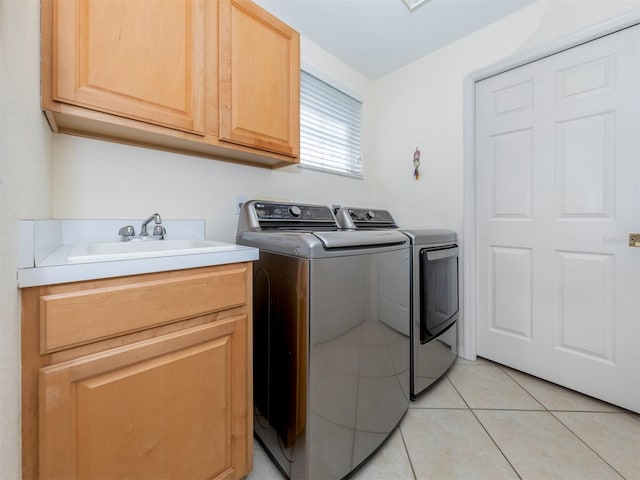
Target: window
330, 128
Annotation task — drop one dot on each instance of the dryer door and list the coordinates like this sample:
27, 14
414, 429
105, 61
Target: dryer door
438, 290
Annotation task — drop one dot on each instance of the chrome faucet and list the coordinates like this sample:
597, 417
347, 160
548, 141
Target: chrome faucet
128, 233
158, 221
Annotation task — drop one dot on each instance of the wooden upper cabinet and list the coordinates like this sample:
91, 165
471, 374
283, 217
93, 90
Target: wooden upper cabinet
259, 79
215, 78
140, 59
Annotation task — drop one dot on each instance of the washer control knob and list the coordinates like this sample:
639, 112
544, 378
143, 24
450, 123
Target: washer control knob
295, 211
370, 214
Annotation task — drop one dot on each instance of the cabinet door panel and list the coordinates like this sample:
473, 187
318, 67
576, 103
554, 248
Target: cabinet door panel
163, 408
151, 407
78, 317
259, 79
143, 60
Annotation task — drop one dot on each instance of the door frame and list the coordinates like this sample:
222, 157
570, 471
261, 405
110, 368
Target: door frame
468, 331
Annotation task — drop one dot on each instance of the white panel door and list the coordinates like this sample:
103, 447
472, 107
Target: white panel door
557, 193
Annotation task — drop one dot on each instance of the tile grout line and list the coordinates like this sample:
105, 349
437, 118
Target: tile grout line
522, 387
506, 369
583, 441
406, 450
486, 431
580, 439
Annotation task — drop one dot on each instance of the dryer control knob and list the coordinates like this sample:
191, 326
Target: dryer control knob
295, 211
370, 214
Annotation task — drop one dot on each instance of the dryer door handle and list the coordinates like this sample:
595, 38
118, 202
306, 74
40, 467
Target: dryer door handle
442, 253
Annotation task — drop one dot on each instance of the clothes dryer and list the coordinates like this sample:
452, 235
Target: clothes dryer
434, 293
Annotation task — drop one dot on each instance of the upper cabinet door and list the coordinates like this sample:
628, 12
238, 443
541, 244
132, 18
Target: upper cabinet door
259, 79
142, 59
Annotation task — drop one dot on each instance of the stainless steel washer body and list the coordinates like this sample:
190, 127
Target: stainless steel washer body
331, 375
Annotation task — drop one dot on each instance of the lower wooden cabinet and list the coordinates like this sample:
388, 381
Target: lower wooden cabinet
171, 401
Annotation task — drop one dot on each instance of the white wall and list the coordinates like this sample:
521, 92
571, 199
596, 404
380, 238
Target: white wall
95, 179
421, 106
25, 191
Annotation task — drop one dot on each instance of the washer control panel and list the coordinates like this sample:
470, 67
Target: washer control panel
290, 212
258, 215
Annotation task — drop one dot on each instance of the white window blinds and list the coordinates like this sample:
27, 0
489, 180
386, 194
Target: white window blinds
330, 128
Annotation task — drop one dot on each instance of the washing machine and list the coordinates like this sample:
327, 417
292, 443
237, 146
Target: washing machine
330, 377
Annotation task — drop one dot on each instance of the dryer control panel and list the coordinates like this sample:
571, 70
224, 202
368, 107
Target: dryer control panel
365, 218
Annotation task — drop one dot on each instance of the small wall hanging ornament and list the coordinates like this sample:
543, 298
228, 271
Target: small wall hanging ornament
416, 164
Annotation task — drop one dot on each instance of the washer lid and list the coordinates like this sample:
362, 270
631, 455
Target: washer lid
323, 244
360, 238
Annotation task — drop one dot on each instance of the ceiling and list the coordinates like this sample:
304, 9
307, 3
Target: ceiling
375, 37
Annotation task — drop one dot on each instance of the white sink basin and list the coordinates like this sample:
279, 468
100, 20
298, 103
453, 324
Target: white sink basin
106, 251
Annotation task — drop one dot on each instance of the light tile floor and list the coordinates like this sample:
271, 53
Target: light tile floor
487, 421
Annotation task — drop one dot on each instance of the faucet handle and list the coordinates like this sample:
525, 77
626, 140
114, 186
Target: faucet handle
159, 231
127, 232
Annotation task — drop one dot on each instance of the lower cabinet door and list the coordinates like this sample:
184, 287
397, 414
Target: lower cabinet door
162, 408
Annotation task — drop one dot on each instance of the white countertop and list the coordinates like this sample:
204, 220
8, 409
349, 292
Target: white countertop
44, 254
55, 268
